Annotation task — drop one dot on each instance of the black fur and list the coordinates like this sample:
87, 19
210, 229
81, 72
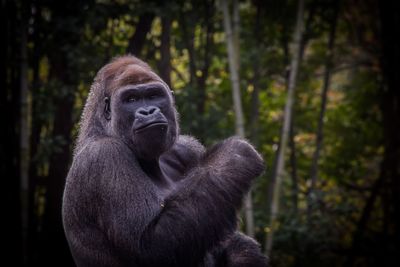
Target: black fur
140, 195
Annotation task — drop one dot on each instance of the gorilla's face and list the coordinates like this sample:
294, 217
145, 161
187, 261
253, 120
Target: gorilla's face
143, 115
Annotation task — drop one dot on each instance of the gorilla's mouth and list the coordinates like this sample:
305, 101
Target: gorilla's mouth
153, 124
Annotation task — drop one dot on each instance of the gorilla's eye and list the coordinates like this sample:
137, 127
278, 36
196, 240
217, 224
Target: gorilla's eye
153, 96
132, 99
155, 92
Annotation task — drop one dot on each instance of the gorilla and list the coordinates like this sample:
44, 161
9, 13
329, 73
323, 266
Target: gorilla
140, 194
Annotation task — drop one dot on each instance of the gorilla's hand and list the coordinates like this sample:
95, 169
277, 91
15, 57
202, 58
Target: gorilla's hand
184, 155
238, 250
244, 156
235, 156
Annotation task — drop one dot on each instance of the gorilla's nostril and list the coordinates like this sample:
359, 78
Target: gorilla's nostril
152, 110
143, 111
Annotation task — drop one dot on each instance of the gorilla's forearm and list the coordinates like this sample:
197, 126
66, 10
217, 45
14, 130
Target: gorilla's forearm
202, 209
192, 220
238, 250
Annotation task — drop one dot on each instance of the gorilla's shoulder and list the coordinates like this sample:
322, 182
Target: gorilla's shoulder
99, 147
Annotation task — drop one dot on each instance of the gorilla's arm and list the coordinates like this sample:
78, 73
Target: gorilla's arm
236, 251
83, 219
202, 209
176, 231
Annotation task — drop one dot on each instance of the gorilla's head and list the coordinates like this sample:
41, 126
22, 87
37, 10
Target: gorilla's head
135, 105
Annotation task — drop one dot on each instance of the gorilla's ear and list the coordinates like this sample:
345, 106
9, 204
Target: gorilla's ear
107, 109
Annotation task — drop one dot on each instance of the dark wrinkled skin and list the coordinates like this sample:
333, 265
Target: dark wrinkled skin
140, 194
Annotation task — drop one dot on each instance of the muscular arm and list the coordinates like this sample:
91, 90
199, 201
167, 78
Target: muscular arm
83, 225
236, 251
202, 210
146, 230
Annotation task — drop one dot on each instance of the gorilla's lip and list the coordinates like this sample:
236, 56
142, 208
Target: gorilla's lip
151, 124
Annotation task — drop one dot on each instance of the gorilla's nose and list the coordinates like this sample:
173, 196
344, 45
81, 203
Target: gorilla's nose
146, 111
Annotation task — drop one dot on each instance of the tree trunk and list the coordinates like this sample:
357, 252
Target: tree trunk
62, 72
58, 168
24, 136
53, 232
239, 121
292, 134
201, 81
138, 39
312, 199
255, 101
110, 43
236, 32
254, 115
286, 124
199, 60
9, 147
188, 38
165, 63
363, 221
292, 144
36, 127
293, 164
255, 104
390, 107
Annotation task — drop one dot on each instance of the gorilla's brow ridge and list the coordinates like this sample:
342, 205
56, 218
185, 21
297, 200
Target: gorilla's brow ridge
126, 70
135, 74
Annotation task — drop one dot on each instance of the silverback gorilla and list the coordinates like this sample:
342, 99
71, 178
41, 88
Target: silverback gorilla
140, 194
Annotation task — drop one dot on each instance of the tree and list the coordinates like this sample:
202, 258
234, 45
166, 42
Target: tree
324, 94
24, 134
294, 67
165, 62
233, 59
137, 41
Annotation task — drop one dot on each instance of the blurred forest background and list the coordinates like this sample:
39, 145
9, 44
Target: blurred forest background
313, 84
